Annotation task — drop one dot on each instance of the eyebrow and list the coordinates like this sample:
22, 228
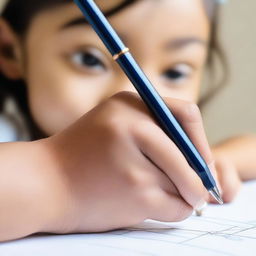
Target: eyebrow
82, 21
175, 44
179, 43
76, 22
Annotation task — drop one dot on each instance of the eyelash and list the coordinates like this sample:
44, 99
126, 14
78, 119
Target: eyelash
179, 73
88, 60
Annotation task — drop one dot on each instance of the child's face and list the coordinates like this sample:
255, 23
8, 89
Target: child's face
69, 71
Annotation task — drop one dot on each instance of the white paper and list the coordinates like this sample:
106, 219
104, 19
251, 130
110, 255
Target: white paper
228, 230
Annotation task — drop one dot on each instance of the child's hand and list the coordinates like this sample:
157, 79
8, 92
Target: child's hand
119, 168
228, 178
240, 151
235, 162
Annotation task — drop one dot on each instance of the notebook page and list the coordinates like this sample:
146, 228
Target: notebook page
222, 230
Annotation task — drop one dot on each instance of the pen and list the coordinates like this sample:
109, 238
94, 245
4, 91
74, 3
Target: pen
148, 93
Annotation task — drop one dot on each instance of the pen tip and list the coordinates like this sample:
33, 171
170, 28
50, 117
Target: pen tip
216, 195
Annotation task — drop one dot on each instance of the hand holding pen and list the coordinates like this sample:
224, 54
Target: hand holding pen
150, 96
121, 167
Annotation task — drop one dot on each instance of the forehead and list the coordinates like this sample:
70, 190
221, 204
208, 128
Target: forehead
163, 17
177, 17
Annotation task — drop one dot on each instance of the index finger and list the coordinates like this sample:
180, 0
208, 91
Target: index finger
190, 119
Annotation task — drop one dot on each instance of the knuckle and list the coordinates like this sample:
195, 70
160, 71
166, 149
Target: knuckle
117, 102
113, 130
113, 123
136, 179
147, 199
111, 120
143, 189
125, 96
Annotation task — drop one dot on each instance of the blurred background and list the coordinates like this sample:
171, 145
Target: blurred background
233, 110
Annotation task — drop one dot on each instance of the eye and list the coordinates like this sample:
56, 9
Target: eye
179, 73
89, 59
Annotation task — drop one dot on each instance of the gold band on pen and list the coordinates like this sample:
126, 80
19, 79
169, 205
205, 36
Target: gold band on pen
118, 55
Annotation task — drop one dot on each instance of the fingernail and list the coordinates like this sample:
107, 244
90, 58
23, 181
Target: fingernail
201, 204
201, 208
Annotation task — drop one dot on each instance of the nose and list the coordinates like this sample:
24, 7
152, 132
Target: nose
122, 85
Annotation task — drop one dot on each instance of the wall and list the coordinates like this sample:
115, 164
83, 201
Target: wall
233, 111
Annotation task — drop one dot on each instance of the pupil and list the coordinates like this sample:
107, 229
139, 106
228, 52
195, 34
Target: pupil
173, 74
90, 60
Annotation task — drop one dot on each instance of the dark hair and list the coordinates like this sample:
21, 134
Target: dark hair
25, 10
216, 56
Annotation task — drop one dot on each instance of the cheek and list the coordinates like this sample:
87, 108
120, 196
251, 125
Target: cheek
186, 94
57, 97
191, 91
187, 91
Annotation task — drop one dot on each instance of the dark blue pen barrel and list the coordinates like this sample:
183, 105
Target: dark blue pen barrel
146, 90
100, 24
166, 119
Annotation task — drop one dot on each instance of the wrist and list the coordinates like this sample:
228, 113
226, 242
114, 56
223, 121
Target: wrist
31, 188
52, 188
